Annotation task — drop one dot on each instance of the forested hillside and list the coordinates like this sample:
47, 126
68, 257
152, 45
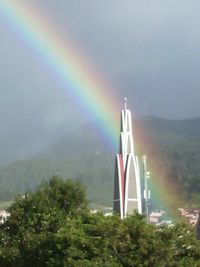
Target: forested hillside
172, 147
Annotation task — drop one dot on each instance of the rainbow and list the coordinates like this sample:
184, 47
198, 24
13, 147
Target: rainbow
81, 81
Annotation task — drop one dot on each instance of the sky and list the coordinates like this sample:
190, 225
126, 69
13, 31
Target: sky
147, 51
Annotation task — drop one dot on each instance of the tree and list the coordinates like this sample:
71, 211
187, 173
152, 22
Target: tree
36, 216
52, 227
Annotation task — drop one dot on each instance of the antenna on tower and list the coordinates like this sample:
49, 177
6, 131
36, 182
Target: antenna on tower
146, 187
125, 103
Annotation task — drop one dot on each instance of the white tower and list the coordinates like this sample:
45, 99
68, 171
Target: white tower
127, 187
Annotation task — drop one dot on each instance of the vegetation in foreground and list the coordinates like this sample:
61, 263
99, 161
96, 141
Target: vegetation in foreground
53, 227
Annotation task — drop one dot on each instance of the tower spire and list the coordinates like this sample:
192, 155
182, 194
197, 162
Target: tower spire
127, 190
125, 103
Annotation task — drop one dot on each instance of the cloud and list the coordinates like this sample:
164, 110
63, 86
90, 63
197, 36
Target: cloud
147, 50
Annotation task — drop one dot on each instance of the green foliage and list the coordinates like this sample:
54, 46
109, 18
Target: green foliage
52, 227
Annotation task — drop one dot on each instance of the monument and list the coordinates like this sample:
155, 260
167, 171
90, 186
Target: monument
128, 193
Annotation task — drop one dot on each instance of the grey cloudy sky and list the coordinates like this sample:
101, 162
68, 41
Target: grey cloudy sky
148, 51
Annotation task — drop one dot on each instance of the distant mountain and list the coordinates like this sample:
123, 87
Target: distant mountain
172, 147
85, 141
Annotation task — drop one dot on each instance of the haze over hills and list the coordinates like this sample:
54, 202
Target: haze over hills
172, 147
